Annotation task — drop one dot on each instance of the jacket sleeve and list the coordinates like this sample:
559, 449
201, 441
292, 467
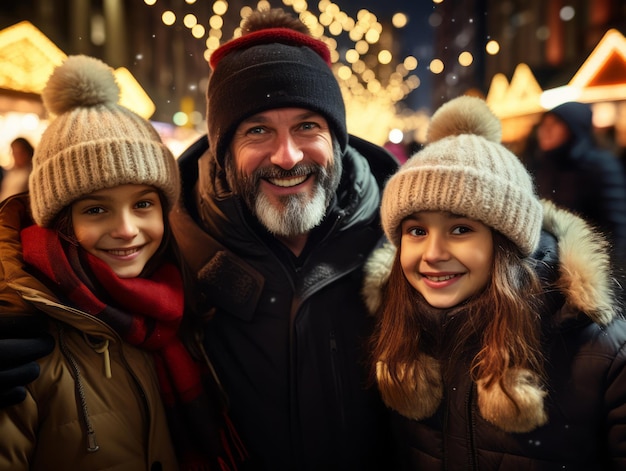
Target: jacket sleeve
611, 185
14, 215
19, 435
615, 403
23, 331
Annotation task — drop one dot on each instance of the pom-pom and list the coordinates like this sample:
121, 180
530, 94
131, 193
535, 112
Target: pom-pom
465, 115
81, 81
273, 18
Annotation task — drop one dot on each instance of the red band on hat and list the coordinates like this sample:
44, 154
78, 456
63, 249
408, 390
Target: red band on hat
286, 36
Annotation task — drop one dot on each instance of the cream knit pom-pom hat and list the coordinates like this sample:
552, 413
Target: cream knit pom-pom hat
465, 170
93, 142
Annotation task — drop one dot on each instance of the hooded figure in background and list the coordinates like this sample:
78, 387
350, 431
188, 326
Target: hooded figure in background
574, 173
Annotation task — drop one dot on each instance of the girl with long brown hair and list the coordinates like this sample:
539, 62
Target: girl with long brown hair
490, 353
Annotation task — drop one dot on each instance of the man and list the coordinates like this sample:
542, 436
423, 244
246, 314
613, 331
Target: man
278, 215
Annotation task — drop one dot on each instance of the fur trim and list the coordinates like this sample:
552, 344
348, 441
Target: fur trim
585, 280
377, 270
584, 263
518, 410
419, 392
585, 267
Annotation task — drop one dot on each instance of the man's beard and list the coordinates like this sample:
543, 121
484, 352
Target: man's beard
290, 215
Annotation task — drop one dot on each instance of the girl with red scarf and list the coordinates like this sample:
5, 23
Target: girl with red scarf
120, 389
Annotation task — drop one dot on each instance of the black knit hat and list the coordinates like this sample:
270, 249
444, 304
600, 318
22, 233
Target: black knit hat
268, 69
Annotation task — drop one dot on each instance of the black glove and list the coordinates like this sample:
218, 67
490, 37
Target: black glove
23, 340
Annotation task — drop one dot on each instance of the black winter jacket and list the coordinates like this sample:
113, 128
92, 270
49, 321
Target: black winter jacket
585, 359
287, 334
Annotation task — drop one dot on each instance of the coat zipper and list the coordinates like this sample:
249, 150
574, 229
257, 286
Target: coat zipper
92, 443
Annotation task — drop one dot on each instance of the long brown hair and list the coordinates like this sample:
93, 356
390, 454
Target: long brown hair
499, 327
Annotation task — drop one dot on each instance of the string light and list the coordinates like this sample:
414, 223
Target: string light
371, 100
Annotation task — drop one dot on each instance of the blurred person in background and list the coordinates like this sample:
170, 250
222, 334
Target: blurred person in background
574, 172
15, 179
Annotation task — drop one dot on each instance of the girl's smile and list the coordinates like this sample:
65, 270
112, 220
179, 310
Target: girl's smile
123, 226
446, 257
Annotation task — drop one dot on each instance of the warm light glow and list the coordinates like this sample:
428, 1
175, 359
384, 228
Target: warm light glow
220, 7
29, 58
555, 96
466, 59
344, 72
604, 115
410, 63
149, 2
492, 47
212, 42
436, 66
190, 20
370, 100
372, 36
198, 31
594, 77
521, 97
132, 95
399, 20
30, 122
396, 135
384, 57
362, 47
352, 56
216, 22
335, 28
168, 17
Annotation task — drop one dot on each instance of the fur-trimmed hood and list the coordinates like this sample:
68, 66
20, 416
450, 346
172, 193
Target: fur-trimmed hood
582, 277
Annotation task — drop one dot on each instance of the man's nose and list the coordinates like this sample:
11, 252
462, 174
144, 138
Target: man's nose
287, 153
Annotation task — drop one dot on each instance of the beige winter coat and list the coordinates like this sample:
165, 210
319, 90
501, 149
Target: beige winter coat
96, 404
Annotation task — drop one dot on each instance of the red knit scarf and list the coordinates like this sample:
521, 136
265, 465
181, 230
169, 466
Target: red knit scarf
145, 312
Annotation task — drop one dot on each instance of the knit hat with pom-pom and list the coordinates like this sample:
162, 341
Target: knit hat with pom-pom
465, 170
93, 143
275, 63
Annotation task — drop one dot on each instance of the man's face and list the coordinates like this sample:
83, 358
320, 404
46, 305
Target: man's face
281, 163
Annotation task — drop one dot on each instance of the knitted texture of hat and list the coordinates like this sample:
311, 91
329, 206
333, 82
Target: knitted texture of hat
464, 170
271, 67
93, 143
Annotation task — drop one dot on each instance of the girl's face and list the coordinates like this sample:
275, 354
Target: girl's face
123, 226
445, 257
